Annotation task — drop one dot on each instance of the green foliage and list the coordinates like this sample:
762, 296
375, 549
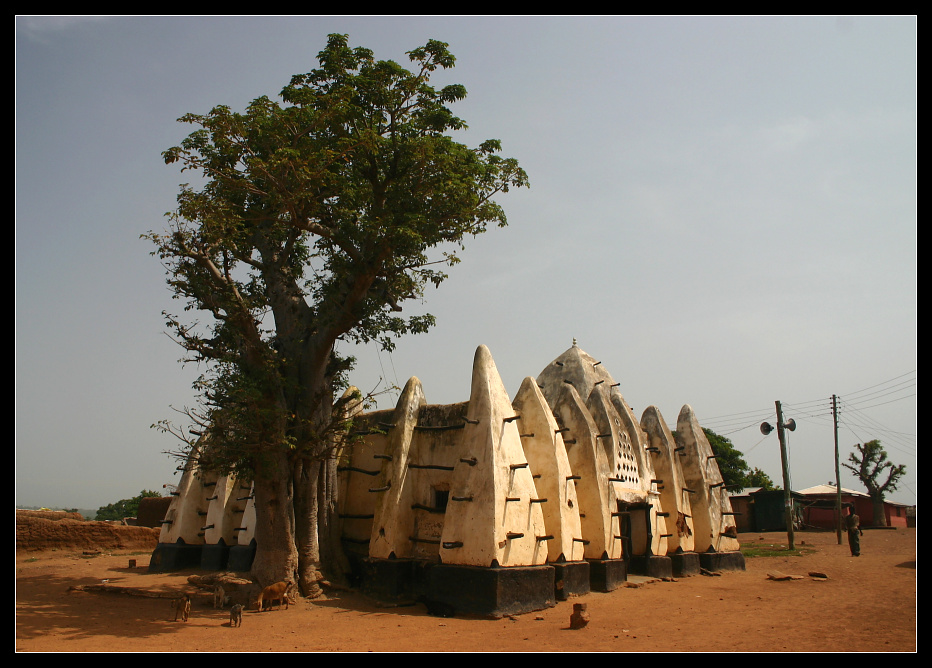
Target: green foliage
757, 478
735, 471
729, 459
869, 465
318, 217
124, 507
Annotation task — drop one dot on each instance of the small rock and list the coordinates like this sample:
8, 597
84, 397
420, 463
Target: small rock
580, 616
776, 575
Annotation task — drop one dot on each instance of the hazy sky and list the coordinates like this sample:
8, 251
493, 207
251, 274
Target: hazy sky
722, 210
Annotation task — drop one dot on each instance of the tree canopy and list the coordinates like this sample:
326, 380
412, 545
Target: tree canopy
124, 507
735, 471
316, 219
869, 464
757, 478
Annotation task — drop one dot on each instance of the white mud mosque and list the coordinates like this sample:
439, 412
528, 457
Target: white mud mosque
496, 506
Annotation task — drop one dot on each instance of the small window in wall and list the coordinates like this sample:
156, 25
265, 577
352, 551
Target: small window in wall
440, 498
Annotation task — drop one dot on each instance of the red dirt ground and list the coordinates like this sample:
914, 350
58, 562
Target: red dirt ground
866, 604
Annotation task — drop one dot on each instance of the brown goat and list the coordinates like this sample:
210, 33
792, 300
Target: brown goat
182, 607
276, 592
219, 597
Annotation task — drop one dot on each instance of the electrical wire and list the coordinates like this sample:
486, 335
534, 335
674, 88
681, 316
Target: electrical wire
876, 424
857, 392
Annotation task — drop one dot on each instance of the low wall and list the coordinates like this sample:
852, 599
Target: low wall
37, 530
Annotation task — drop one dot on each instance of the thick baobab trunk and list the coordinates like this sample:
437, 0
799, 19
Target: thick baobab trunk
880, 517
305, 508
276, 557
329, 526
320, 553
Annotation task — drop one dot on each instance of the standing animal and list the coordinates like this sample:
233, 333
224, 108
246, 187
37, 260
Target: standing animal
182, 607
236, 615
276, 592
219, 597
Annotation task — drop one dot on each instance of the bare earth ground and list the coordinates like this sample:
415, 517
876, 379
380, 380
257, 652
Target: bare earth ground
867, 604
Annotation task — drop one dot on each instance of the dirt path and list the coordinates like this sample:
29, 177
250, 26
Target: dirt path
866, 604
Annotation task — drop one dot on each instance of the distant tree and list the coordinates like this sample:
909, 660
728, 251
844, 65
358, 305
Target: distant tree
735, 471
124, 507
869, 467
757, 478
729, 459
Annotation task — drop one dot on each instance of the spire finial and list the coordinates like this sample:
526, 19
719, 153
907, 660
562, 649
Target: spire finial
574, 341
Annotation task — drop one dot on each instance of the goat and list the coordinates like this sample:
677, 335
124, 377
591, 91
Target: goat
276, 592
236, 615
219, 597
182, 607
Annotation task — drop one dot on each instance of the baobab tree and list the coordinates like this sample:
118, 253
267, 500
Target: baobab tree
316, 219
869, 467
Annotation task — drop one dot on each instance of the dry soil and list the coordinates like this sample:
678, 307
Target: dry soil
865, 604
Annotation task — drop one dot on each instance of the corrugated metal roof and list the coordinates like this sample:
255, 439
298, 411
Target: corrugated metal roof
829, 489
744, 491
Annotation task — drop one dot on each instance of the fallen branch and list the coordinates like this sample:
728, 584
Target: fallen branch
129, 591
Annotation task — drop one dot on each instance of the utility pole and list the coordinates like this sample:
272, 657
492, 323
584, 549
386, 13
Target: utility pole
787, 497
837, 473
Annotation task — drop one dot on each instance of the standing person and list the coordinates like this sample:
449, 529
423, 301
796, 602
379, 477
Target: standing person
853, 524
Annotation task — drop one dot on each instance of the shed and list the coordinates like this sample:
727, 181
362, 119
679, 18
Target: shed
152, 510
744, 510
768, 510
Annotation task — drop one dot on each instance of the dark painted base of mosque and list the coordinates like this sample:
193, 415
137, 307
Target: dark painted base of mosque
449, 590
177, 556
607, 574
174, 556
215, 557
240, 557
392, 581
571, 578
722, 561
685, 564
489, 592
650, 565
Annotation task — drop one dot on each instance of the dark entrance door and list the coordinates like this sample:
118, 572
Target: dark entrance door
634, 529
